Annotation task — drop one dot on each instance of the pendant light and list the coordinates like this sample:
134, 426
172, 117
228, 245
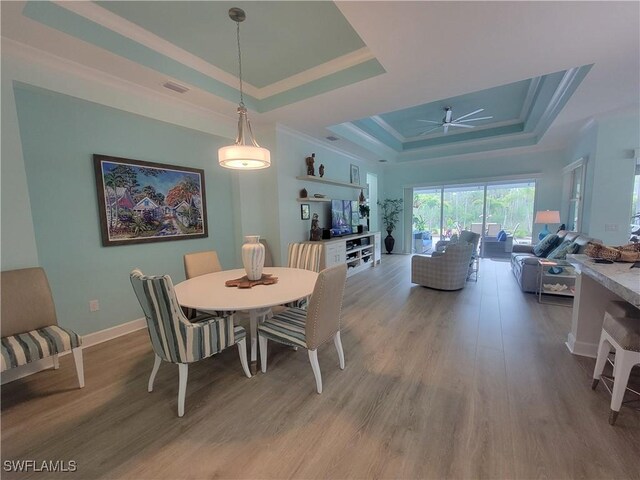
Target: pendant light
245, 154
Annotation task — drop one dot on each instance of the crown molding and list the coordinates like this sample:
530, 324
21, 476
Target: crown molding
388, 128
314, 141
41, 69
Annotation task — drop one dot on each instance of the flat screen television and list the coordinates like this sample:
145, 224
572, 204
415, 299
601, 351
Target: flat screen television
341, 218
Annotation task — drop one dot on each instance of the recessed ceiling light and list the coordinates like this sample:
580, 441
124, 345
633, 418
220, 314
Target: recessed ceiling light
176, 87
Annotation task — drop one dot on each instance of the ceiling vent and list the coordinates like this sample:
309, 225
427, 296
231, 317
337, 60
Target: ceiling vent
382, 160
331, 138
176, 87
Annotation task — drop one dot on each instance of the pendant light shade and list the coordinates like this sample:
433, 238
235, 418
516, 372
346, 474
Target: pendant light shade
244, 157
245, 153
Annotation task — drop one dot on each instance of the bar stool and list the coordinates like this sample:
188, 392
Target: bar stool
620, 331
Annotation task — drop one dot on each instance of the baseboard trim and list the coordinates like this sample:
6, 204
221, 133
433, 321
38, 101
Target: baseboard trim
107, 334
88, 340
581, 348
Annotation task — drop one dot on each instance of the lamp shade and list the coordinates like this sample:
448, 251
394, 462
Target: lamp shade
244, 157
547, 216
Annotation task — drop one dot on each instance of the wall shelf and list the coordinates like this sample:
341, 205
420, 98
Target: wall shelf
313, 199
311, 178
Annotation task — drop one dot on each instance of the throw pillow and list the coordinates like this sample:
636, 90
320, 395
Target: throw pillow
544, 246
502, 236
565, 248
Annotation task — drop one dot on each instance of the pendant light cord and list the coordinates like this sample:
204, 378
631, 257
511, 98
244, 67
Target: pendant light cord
239, 64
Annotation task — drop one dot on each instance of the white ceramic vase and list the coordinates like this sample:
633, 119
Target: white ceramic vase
253, 257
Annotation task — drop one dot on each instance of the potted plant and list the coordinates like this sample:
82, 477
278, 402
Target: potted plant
391, 208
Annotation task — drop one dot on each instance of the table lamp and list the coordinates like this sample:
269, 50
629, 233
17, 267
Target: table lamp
546, 217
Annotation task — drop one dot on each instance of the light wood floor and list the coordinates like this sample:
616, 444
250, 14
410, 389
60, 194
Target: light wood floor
469, 384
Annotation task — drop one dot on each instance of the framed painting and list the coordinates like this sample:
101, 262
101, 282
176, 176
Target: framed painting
143, 202
355, 174
305, 212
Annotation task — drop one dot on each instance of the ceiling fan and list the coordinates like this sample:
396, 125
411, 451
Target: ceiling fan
458, 122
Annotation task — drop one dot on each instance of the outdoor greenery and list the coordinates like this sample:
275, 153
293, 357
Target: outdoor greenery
391, 209
510, 207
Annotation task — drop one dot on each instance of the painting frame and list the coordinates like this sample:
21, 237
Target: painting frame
305, 211
148, 219
355, 174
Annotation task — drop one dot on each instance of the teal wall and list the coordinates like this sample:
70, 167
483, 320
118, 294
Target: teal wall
292, 149
607, 143
18, 237
546, 166
59, 136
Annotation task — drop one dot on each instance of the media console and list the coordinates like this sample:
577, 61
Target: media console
359, 251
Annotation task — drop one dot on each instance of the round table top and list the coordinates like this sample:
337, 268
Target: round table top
208, 292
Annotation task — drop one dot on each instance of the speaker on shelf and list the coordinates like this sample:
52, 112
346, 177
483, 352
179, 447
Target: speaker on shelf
326, 233
360, 229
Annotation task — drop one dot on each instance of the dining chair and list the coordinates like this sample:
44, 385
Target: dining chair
312, 327
201, 263
307, 256
177, 340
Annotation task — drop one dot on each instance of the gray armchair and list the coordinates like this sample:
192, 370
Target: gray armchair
448, 271
465, 236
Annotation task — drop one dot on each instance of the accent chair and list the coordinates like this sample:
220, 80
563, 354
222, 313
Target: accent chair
448, 271
177, 340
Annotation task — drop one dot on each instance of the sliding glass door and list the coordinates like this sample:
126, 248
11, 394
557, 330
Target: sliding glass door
427, 209
484, 208
510, 208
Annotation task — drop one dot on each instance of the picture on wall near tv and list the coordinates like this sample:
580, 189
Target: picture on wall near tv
341, 217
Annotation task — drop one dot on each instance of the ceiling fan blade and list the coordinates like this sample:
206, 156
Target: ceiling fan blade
447, 117
473, 119
428, 131
468, 115
460, 125
430, 121
446, 128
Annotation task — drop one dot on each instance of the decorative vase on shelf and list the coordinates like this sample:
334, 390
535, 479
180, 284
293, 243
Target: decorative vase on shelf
253, 257
389, 242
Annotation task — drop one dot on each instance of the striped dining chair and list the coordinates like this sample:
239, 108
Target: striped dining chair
311, 328
177, 340
307, 256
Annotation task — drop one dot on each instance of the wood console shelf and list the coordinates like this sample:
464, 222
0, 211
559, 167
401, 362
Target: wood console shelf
311, 178
360, 251
313, 199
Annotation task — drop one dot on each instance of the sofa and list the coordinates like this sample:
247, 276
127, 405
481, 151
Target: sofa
524, 263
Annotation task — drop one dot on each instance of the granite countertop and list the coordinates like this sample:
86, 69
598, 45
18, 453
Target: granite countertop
618, 277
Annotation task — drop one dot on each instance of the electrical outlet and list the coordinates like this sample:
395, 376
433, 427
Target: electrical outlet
610, 227
94, 305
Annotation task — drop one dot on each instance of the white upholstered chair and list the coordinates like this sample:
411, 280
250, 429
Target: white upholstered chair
311, 328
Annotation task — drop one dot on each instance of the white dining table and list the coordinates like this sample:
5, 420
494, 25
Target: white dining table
208, 293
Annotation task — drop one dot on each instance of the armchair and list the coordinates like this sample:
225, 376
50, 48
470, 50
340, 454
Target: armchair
448, 271
176, 340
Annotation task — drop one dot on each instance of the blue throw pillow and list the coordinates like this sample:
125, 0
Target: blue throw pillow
561, 251
544, 246
502, 236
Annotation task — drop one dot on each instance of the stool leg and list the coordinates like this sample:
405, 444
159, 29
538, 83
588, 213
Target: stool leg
603, 352
624, 364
